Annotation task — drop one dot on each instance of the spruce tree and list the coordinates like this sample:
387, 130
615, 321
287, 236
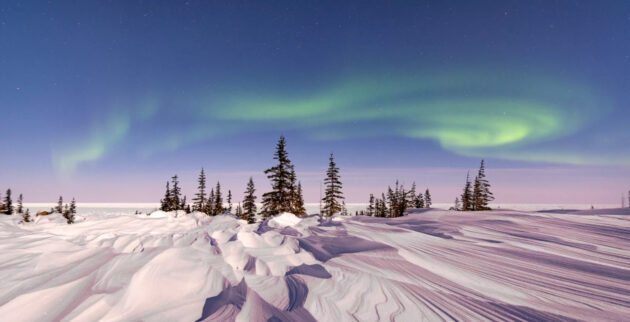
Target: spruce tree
229, 201
370, 209
210, 204
249, 202
344, 210
60, 205
20, 207
419, 200
299, 209
26, 217
166, 202
175, 200
239, 211
411, 196
278, 200
68, 214
73, 207
218, 200
427, 199
482, 195
8, 203
182, 204
333, 192
456, 205
467, 203
199, 202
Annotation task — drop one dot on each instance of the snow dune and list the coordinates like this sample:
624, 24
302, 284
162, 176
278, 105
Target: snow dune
430, 265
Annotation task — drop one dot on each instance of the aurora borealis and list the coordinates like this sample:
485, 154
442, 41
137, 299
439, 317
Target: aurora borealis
101, 91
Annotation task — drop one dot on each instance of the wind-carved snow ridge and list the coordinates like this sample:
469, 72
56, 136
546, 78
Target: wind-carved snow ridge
430, 265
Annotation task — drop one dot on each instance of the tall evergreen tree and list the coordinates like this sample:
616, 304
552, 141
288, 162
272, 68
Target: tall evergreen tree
229, 201
20, 207
411, 196
199, 202
279, 198
427, 199
8, 203
333, 192
370, 209
59, 208
467, 198
482, 195
249, 202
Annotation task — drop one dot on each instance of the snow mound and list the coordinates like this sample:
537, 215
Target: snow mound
285, 219
158, 214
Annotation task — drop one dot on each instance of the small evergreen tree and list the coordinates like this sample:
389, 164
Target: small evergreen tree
410, 199
175, 201
467, 204
73, 207
200, 197
249, 202
8, 203
278, 200
26, 217
166, 202
299, 210
210, 204
239, 212
456, 205
427, 199
229, 201
344, 210
218, 201
68, 215
60, 205
419, 200
370, 209
182, 204
20, 207
333, 192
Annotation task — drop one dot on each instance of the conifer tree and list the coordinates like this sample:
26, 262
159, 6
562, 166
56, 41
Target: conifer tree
249, 202
73, 207
427, 199
344, 210
199, 202
299, 209
210, 204
239, 212
68, 214
411, 196
8, 203
229, 201
26, 217
218, 200
60, 205
419, 200
175, 200
279, 198
182, 204
482, 195
20, 207
370, 209
165, 203
456, 205
1, 204
333, 192
467, 203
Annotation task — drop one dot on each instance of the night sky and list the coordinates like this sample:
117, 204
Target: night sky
105, 100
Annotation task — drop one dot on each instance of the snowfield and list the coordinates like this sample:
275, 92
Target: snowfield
431, 265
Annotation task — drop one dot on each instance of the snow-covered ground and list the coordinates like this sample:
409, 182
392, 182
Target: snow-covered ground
431, 265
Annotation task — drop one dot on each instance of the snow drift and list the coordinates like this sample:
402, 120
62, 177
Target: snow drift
430, 265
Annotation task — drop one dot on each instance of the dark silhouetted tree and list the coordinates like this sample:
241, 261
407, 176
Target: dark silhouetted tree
8, 203
333, 193
482, 195
370, 208
20, 204
249, 202
229, 201
199, 202
279, 198
59, 208
26, 217
218, 201
427, 199
299, 209
175, 201
467, 197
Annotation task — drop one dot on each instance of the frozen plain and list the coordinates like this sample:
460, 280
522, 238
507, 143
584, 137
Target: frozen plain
431, 265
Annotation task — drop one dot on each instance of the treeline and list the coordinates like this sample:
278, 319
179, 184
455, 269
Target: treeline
6, 207
285, 195
396, 202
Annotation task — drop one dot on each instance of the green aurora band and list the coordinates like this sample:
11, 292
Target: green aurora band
496, 115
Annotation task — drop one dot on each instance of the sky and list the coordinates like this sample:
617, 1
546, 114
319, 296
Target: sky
105, 100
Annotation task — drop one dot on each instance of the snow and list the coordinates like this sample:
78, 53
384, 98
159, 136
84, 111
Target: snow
115, 265
283, 220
